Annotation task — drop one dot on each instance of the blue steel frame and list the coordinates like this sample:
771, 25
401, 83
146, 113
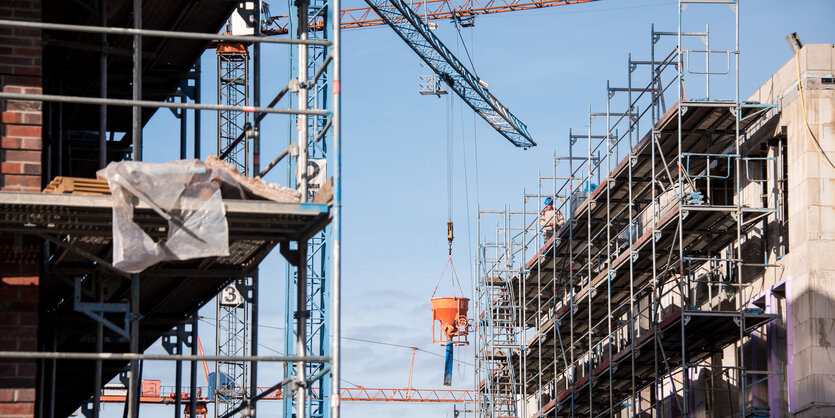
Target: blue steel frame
319, 266
408, 25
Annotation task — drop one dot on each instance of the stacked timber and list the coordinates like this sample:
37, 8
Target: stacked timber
77, 185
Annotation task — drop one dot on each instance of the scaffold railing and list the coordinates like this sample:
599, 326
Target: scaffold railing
301, 220
625, 306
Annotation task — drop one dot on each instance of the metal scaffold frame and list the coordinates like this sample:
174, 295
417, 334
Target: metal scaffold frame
499, 336
283, 225
312, 318
628, 307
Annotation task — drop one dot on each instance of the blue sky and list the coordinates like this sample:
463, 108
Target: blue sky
548, 66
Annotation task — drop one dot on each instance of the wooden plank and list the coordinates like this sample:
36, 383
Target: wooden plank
77, 185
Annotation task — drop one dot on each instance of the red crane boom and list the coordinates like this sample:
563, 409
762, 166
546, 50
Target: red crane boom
362, 17
359, 393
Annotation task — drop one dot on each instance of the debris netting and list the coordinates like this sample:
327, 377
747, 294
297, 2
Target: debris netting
188, 195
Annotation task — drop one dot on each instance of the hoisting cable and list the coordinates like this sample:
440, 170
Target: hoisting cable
454, 277
449, 168
450, 134
818, 147
458, 29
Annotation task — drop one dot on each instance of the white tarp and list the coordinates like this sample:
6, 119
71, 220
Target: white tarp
186, 193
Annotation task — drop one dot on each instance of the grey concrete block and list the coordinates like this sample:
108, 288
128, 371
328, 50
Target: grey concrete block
818, 57
814, 389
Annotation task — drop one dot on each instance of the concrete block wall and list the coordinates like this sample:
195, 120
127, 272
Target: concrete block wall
809, 265
20, 170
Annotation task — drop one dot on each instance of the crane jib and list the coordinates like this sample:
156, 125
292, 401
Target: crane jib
408, 25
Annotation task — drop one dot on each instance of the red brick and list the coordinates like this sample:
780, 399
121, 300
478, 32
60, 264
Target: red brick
11, 117
27, 52
8, 345
10, 143
27, 33
8, 293
15, 59
32, 169
12, 89
9, 318
32, 90
27, 369
26, 14
28, 293
32, 118
25, 395
20, 80
22, 181
11, 168
20, 281
27, 318
27, 4
18, 306
32, 143
26, 344
8, 369
27, 70
23, 105
23, 156
22, 130
17, 409
6, 395
19, 332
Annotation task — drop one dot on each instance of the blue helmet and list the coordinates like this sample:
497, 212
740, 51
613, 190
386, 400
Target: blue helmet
548, 201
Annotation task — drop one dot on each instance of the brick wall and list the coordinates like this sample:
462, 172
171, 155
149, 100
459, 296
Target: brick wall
20, 170
20, 121
18, 331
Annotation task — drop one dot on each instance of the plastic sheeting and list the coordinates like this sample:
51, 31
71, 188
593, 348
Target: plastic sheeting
185, 193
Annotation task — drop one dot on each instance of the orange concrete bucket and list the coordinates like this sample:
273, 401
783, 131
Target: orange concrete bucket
451, 312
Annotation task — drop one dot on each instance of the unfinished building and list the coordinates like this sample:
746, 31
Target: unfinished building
80, 81
692, 274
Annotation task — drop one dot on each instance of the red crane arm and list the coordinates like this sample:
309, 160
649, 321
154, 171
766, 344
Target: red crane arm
405, 395
362, 17
346, 394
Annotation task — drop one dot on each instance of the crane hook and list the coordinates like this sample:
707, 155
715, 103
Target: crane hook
449, 235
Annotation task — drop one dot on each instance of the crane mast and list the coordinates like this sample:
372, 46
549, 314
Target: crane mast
232, 310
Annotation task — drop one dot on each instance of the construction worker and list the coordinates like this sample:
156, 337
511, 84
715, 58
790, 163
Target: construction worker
549, 219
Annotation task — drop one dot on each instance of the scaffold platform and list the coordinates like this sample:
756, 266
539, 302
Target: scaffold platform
594, 289
80, 228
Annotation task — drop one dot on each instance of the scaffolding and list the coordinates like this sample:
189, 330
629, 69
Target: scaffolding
500, 335
639, 303
105, 319
313, 135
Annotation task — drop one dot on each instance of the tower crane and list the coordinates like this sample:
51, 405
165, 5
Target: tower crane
364, 17
417, 34
408, 20
156, 396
